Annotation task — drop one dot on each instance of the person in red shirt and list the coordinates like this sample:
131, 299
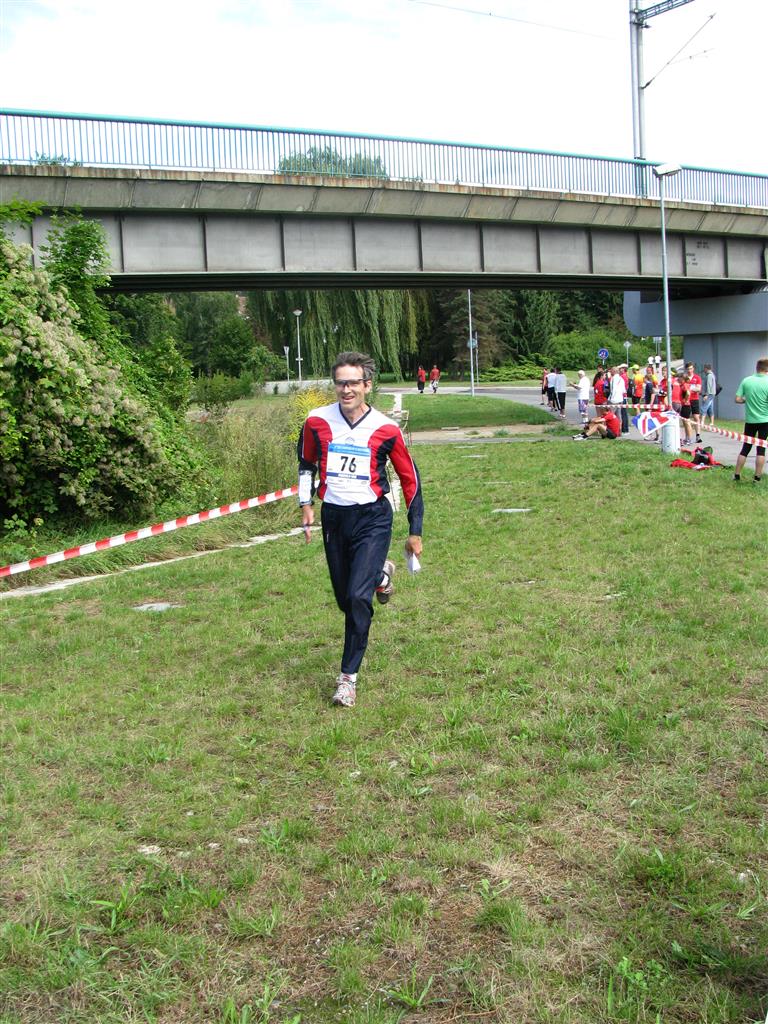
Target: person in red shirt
599, 385
421, 379
608, 425
686, 412
434, 378
694, 383
676, 399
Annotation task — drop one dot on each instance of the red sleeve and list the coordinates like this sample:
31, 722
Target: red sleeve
406, 469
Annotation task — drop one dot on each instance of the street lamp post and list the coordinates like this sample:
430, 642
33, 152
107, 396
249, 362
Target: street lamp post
662, 172
286, 349
297, 314
469, 345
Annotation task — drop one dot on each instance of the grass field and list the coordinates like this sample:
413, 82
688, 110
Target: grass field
431, 412
548, 806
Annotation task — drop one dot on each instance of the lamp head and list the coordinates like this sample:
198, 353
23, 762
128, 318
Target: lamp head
666, 170
297, 312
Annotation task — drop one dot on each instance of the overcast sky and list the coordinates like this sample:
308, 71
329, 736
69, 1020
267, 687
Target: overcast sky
537, 74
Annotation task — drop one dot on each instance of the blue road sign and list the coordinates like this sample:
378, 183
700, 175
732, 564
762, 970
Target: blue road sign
603, 353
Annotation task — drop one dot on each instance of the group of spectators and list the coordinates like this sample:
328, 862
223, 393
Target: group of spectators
614, 390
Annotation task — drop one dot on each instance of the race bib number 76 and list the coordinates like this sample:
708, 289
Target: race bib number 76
348, 463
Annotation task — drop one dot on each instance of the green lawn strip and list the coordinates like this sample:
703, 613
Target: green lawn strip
432, 412
548, 805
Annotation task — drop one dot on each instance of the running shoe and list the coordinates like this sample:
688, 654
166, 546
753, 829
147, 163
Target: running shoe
345, 691
386, 588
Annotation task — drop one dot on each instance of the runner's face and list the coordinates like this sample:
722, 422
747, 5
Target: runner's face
352, 397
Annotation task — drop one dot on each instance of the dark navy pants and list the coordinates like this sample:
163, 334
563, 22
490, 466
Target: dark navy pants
356, 540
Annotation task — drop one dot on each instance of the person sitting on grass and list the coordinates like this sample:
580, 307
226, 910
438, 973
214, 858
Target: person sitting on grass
608, 425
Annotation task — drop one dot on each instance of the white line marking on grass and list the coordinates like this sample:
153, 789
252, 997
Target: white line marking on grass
512, 510
47, 588
156, 606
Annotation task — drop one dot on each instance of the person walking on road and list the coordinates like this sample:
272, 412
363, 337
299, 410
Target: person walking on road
753, 393
695, 387
561, 389
348, 444
618, 398
582, 389
421, 379
434, 378
708, 394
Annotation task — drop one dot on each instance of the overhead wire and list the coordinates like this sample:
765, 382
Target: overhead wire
508, 17
674, 56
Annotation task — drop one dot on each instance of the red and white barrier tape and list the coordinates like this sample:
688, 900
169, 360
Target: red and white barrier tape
735, 435
147, 531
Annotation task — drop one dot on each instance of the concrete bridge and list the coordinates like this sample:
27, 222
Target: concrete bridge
191, 206
189, 229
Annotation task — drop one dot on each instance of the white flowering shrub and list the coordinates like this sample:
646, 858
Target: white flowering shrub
78, 430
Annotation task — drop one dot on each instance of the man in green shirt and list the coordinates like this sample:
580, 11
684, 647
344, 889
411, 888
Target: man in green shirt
753, 392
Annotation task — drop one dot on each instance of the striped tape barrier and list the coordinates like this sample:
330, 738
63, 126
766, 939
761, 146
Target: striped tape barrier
147, 531
735, 435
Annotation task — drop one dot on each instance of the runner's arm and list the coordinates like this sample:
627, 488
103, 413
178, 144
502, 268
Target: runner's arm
308, 457
410, 481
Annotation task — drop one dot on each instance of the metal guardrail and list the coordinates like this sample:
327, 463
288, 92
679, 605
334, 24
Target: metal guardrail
55, 139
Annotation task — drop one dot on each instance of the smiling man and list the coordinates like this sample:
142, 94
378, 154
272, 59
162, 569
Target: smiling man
348, 444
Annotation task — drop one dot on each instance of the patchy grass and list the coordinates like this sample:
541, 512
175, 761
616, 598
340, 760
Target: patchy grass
549, 804
431, 412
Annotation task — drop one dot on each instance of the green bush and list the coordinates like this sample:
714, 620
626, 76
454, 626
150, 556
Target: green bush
217, 392
579, 348
78, 432
511, 371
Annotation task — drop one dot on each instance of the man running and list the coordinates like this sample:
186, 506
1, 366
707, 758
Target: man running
349, 443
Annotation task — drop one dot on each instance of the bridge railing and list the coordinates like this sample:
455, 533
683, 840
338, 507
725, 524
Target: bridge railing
33, 137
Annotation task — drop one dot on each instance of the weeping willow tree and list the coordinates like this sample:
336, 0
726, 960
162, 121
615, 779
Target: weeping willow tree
388, 324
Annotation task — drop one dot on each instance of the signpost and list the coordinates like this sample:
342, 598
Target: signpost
603, 354
287, 364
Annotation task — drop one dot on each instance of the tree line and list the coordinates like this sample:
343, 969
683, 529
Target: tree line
220, 332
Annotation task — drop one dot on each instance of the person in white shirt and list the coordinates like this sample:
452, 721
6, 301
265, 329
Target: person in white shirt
551, 395
582, 388
618, 397
561, 387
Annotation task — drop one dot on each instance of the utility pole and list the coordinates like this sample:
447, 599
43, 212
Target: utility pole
638, 20
469, 345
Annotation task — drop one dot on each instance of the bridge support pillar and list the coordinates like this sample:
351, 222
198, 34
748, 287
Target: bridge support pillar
730, 332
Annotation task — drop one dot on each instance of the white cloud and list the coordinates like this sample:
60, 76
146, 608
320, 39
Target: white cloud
403, 68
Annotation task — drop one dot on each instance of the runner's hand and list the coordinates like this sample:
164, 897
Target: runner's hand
413, 545
307, 519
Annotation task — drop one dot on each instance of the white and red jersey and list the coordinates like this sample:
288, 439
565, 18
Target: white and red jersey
695, 386
352, 461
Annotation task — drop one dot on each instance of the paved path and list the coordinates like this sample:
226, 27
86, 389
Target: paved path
725, 449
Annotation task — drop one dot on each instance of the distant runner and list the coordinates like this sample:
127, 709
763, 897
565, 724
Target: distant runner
349, 443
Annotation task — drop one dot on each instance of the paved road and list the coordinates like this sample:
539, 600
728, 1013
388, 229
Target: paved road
725, 449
